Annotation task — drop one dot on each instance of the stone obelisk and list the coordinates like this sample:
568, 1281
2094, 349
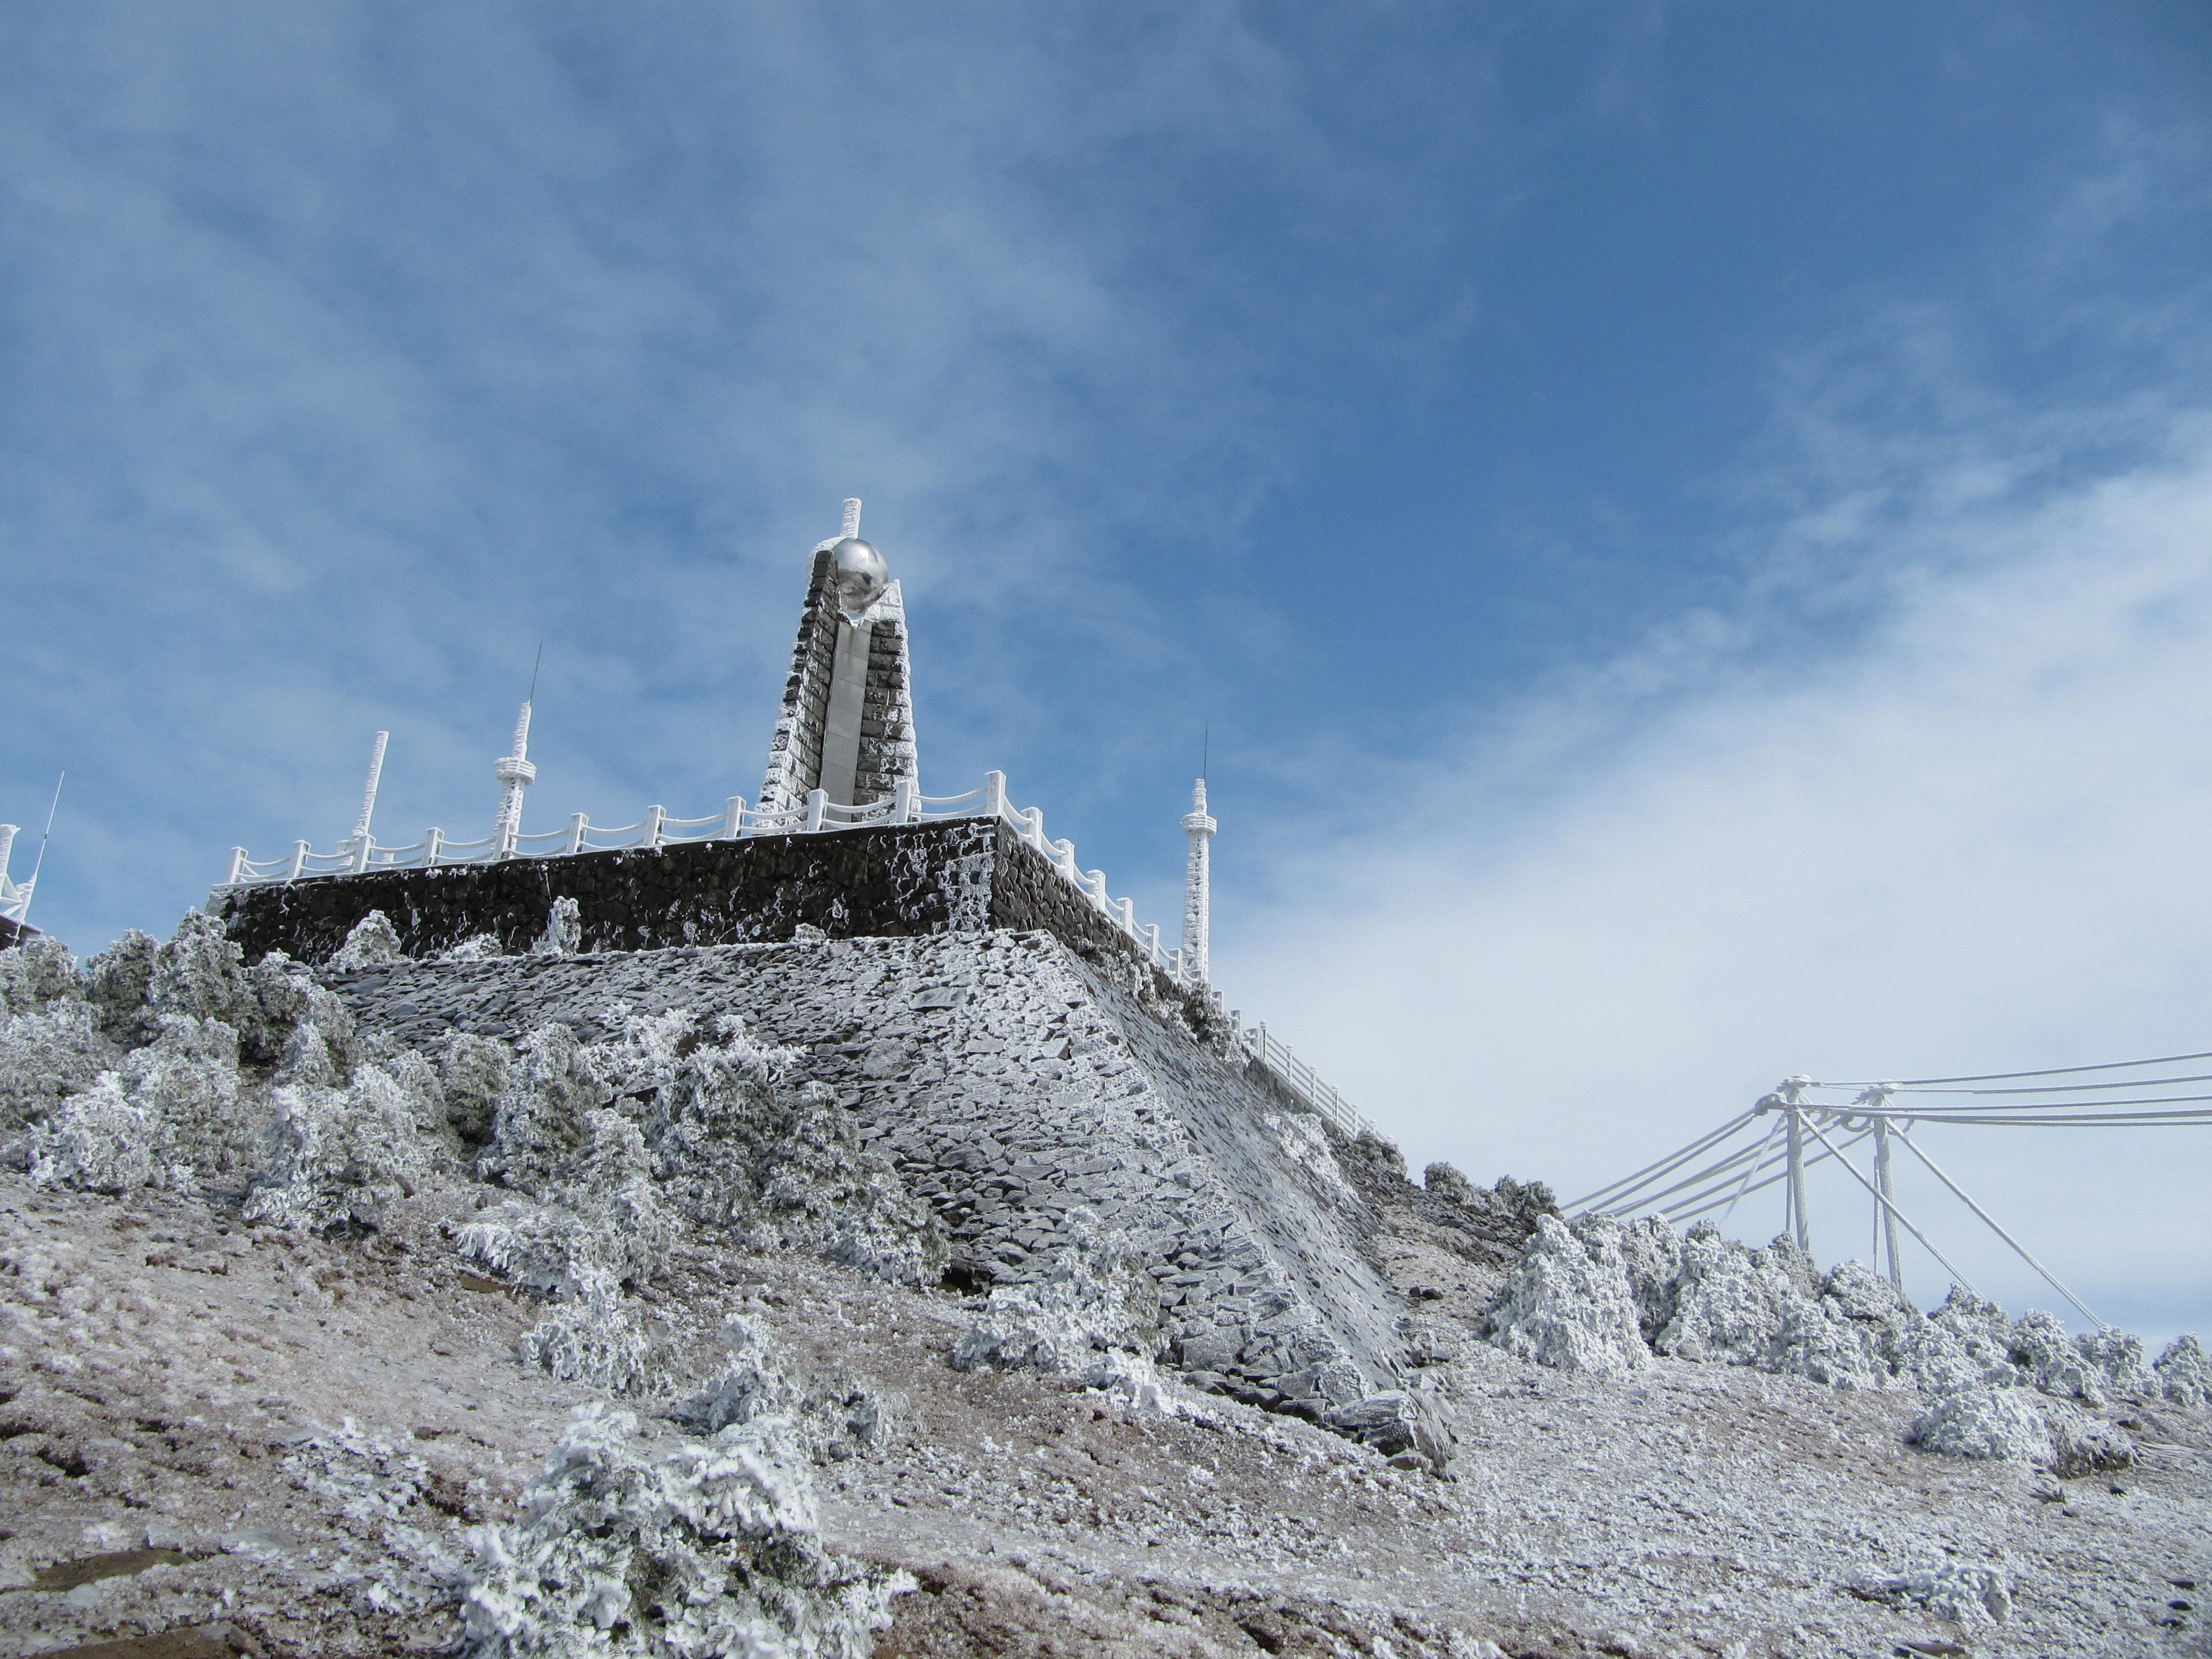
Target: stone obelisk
1197, 904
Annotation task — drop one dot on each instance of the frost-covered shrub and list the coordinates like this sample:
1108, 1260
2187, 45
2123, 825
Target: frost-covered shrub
341, 1156
54, 1051
104, 1142
736, 1145
477, 947
1731, 1301
834, 1417
1096, 1296
710, 1547
188, 1075
597, 1338
34, 972
2184, 1373
600, 1220
372, 942
382, 1495
202, 973
544, 1113
1984, 1421
1568, 1304
304, 1028
116, 983
473, 1071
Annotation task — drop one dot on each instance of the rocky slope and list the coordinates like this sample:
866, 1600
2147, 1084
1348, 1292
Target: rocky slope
566, 1329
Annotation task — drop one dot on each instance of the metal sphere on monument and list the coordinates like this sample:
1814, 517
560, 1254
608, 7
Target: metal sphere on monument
861, 575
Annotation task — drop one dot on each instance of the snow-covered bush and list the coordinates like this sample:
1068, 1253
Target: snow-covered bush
188, 1076
47, 1053
709, 1547
1096, 1296
1568, 1304
2184, 1373
544, 1113
598, 1221
473, 1071
34, 972
597, 1338
103, 1141
116, 982
341, 1156
737, 1145
2017, 1424
372, 942
564, 931
833, 1417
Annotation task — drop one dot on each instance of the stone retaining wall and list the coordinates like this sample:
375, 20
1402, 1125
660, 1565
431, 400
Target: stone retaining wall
1012, 1077
899, 881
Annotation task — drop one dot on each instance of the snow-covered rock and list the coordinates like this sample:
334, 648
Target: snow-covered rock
1967, 1593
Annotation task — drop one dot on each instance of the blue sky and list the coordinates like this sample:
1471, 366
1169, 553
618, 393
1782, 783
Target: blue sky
1688, 525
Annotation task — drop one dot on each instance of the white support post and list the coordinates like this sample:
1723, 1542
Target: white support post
1885, 1203
817, 804
431, 838
906, 802
733, 819
368, 794
363, 845
577, 826
994, 794
237, 865
1094, 883
653, 817
1032, 821
1125, 911
1063, 859
299, 861
1798, 1223
1151, 941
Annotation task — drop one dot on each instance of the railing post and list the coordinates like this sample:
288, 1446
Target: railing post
818, 804
1031, 818
994, 794
1153, 941
299, 861
237, 867
653, 815
577, 825
906, 803
1125, 910
431, 838
733, 819
1094, 885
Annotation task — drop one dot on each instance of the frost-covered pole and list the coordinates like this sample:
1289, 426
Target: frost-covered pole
1197, 902
1793, 1096
359, 841
515, 774
1888, 1211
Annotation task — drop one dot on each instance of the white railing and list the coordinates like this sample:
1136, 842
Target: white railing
1301, 1080
819, 815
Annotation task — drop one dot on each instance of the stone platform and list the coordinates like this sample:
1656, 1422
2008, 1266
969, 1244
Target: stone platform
896, 881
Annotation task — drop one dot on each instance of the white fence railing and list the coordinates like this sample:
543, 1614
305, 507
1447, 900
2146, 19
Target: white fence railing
819, 815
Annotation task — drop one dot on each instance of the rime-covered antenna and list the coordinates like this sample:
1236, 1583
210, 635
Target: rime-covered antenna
1206, 754
536, 664
31, 887
369, 790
